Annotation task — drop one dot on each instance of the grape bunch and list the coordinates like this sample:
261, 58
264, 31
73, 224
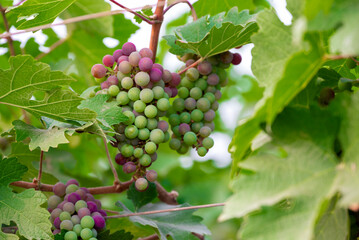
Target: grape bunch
192, 113
143, 89
75, 210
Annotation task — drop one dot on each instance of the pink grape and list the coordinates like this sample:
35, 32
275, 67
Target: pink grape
163, 125
151, 175
226, 57
204, 68
146, 52
59, 189
189, 62
122, 58
128, 48
155, 75
118, 53
134, 58
83, 212
112, 80
129, 167
98, 71
176, 80
174, 91
166, 76
145, 64
183, 128
108, 60
213, 79
105, 85
168, 90
158, 66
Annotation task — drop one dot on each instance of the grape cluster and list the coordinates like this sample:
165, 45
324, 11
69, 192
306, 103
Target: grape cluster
75, 210
192, 113
143, 89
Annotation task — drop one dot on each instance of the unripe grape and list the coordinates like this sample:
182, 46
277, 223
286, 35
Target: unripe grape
163, 125
174, 119
205, 131
152, 123
146, 52
128, 48
80, 204
149, 85
140, 122
145, 160
187, 57
87, 222
174, 91
158, 66
122, 58
125, 67
203, 104
66, 225
113, 90
208, 142
112, 80
134, 94
98, 71
127, 150
175, 131
86, 234
146, 95
144, 133
345, 84
187, 83
117, 53
210, 96
326, 95
71, 188
65, 216
202, 84
134, 58
190, 138
213, 79
129, 167
141, 184
151, 175
202, 151
139, 106
120, 76
183, 149
192, 74
215, 106
196, 93
77, 229
185, 117
73, 197
226, 57
145, 64
155, 75
196, 127
157, 136
99, 222
134, 142
166, 76
138, 152
55, 213
184, 128
178, 104
150, 147
158, 92
122, 98
197, 115
142, 79
211, 89
150, 111
175, 144
204, 68
53, 201
59, 189
108, 60
75, 219
69, 207
131, 117
237, 59
127, 82
209, 116
163, 104
190, 104
183, 92
82, 212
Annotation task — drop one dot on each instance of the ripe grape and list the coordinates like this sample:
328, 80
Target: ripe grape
141, 184
184, 128
145, 64
155, 75
146, 52
142, 79
98, 71
59, 189
128, 48
125, 67
163, 125
134, 58
122, 58
55, 213
176, 80
158, 66
108, 60
215, 106
209, 116
92, 206
226, 57
118, 53
166, 76
237, 59
204, 68
129, 167
213, 79
151, 175
73, 197
105, 85
99, 222
112, 80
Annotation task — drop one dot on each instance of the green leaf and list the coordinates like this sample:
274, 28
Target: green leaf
123, 28
108, 113
24, 208
178, 225
146, 12
141, 198
174, 48
217, 34
102, 25
32, 47
42, 138
18, 84
39, 12
105, 235
213, 7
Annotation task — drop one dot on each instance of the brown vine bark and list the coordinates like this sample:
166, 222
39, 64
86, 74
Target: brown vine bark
156, 27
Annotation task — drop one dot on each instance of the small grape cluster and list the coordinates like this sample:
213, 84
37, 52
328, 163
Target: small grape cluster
75, 210
143, 89
192, 113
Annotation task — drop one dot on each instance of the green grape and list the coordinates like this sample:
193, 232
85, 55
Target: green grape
75, 219
86, 234
157, 136
345, 84
131, 117
113, 90
138, 152
127, 83
93, 238
202, 84
150, 111
131, 131
160, 83
145, 160
187, 83
205, 131
150, 147
100, 80
127, 150
134, 94
122, 98
120, 76
142, 79
77, 229
192, 74
183, 149
141, 121
174, 119
163, 104
144, 134
190, 138
176, 131
54, 201
175, 144
167, 137
197, 115
183, 92
94, 233
70, 235
87, 222
208, 142
158, 92
151, 123
178, 104
203, 104
67, 225
65, 216
202, 151
146, 95
210, 96
71, 188
139, 106
185, 117
196, 93
196, 127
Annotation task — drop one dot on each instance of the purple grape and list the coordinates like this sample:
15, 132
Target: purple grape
69, 207
209, 116
108, 60
103, 213
134, 58
112, 80
82, 193
89, 197
121, 59
226, 57
153, 157
155, 75
129, 167
213, 79
98, 71
105, 85
92, 206
95, 214
83, 212
149, 85
55, 213
59, 189
118, 53
210, 125
146, 52
237, 59
184, 128
204, 68
176, 80
174, 91
145, 64
163, 125
128, 48
99, 222
166, 76
61, 205
120, 160
158, 66
218, 95
73, 197
56, 231
151, 175
98, 203
57, 222
85, 189
189, 62
168, 90
190, 104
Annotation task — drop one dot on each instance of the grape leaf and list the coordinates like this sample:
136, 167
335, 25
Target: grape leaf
32, 47
178, 225
108, 113
146, 12
18, 84
102, 25
141, 198
340, 66
36, 12
42, 138
123, 28
105, 235
209, 36
24, 208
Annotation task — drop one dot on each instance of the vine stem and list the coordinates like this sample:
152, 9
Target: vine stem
166, 197
52, 48
8, 38
337, 57
193, 11
156, 27
191, 66
115, 175
133, 12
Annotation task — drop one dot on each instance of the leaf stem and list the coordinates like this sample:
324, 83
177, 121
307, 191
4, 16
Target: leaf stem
6, 24
166, 197
115, 175
194, 14
337, 57
133, 12
156, 27
40, 169
191, 66
52, 48
166, 210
